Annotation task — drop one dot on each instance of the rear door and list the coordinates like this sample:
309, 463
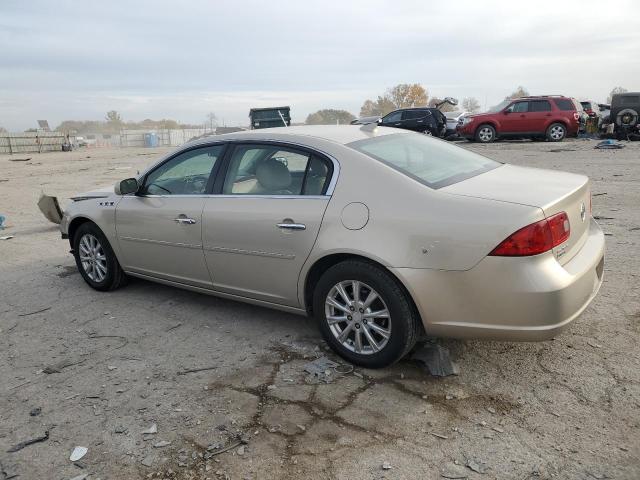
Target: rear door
415, 120
261, 226
539, 115
159, 229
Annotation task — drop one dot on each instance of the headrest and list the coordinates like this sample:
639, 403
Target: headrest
273, 175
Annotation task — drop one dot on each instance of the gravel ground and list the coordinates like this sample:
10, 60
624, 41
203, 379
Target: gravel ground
567, 408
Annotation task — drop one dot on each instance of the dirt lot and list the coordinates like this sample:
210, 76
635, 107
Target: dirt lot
567, 408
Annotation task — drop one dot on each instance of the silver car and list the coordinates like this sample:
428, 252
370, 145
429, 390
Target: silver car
383, 235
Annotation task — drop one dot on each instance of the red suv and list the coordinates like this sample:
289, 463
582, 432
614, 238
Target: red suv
553, 117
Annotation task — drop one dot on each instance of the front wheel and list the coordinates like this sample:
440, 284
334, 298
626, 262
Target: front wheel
485, 134
95, 259
364, 314
556, 132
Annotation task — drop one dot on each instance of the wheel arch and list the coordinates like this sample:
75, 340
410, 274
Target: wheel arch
491, 123
322, 264
76, 223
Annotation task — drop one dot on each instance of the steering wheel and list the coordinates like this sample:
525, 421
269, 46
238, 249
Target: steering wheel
196, 184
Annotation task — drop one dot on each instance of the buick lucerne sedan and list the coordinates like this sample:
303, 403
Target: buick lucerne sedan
382, 235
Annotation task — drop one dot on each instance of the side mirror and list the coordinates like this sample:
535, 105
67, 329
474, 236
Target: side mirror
125, 187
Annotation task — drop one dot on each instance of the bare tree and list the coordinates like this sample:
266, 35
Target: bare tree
114, 120
615, 91
471, 104
404, 95
518, 93
212, 120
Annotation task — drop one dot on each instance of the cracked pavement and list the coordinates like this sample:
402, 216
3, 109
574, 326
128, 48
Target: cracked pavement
567, 408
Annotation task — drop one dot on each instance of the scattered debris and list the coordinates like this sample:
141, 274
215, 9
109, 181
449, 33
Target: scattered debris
498, 429
161, 444
609, 145
153, 429
33, 313
386, 466
302, 428
78, 453
320, 370
6, 237
476, 466
194, 370
594, 345
35, 411
58, 367
454, 471
344, 369
8, 472
436, 359
225, 449
599, 194
50, 208
120, 429
147, 461
491, 410
174, 327
19, 159
598, 217
26, 443
437, 435
80, 477
240, 450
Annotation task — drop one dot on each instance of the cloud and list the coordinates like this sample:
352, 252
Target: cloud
160, 58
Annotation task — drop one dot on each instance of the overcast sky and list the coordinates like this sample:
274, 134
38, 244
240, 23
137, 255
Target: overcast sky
62, 60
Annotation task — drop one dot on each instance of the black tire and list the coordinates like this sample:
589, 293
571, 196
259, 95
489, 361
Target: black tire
556, 132
404, 321
114, 276
485, 133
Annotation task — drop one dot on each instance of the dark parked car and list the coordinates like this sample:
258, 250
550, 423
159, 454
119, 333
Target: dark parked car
553, 117
430, 121
625, 110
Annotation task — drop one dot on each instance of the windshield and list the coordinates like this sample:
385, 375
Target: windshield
501, 106
434, 163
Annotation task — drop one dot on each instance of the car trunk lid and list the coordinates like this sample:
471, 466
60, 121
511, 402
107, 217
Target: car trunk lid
549, 190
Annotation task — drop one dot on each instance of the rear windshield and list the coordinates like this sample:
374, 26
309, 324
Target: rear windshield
434, 163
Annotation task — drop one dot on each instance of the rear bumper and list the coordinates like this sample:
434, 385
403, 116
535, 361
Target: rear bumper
515, 299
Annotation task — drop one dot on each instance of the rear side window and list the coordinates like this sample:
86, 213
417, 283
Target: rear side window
434, 163
275, 170
630, 100
539, 106
411, 114
564, 104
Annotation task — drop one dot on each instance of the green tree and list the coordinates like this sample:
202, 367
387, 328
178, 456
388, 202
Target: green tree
329, 116
615, 91
471, 104
518, 93
403, 95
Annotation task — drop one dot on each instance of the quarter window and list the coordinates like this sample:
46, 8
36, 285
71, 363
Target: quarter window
565, 104
413, 114
274, 170
540, 106
185, 174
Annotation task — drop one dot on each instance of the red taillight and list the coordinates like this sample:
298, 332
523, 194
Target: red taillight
536, 238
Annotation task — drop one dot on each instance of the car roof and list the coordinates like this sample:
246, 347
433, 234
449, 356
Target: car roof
340, 134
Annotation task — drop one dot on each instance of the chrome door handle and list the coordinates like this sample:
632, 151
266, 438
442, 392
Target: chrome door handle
292, 226
184, 221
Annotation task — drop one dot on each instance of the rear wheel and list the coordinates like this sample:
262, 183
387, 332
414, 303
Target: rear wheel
95, 259
364, 314
556, 132
485, 133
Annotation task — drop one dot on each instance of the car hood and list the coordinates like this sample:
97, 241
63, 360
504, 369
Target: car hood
98, 192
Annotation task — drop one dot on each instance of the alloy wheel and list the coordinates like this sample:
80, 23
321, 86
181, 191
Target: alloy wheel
358, 317
556, 132
93, 258
485, 134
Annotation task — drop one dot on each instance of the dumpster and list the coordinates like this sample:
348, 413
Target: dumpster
270, 117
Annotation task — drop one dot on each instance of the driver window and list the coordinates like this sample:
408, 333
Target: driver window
520, 107
185, 174
392, 117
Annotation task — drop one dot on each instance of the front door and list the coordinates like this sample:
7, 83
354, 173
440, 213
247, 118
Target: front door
514, 119
160, 228
260, 230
